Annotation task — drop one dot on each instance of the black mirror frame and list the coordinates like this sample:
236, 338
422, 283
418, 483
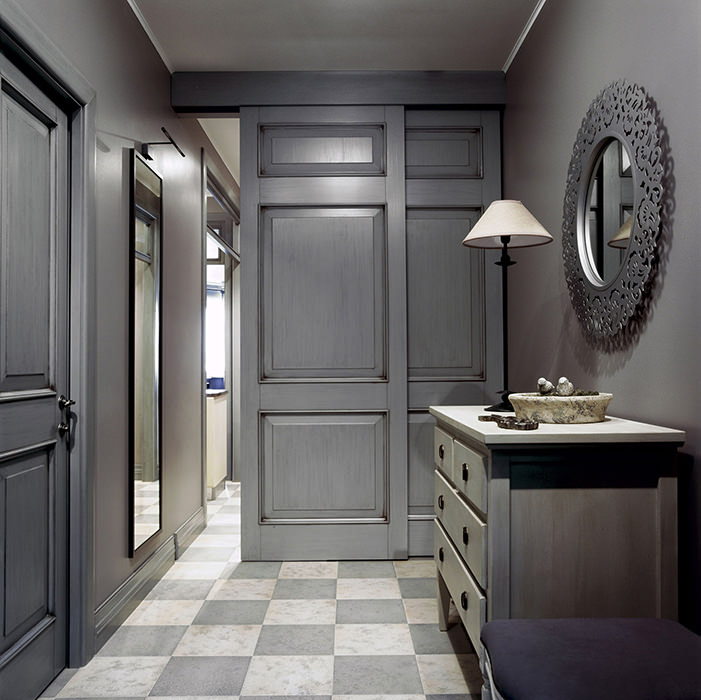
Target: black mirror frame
622, 111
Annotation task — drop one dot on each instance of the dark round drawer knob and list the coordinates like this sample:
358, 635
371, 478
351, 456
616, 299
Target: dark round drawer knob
441, 502
441, 451
463, 600
441, 555
465, 471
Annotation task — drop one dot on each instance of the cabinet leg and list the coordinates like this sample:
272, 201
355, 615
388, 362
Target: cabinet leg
443, 599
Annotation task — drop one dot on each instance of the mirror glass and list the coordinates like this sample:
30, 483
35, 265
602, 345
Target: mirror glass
145, 452
608, 212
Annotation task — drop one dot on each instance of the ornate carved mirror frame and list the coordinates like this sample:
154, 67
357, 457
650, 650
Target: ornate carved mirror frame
605, 307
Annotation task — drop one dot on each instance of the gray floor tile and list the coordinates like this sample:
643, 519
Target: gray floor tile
230, 508
454, 697
428, 639
57, 684
256, 569
301, 589
295, 640
369, 611
365, 569
143, 640
417, 587
207, 554
376, 675
180, 589
231, 612
202, 675
285, 697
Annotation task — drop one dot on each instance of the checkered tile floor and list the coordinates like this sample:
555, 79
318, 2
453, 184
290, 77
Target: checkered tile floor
216, 627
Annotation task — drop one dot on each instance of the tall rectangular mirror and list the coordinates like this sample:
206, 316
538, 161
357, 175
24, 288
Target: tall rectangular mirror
145, 354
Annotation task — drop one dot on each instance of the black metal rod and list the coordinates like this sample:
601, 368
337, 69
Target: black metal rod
505, 262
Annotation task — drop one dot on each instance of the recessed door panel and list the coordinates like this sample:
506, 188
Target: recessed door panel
324, 467
324, 292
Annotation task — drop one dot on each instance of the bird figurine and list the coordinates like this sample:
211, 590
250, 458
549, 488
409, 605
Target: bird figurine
545, 387
564, 387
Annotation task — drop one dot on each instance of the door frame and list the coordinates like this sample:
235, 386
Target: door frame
45, 64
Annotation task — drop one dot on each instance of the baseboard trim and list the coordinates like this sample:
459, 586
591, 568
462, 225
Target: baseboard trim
187, 532
112, 613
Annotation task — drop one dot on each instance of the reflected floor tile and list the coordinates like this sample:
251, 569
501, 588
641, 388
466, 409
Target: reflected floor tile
180, 590
367, 588
378, 697
232, 612
143, 640
202, 675
303, 612
295, 640
289, 675
421, 610
373, 639
415, 568
242, 589
105, 677
194, 570
300, 588
428, 639
222, 518
212, 530
376, 675
358, 611
309, 569
164, 612
365, 569
449, 674
256, 569
218, 640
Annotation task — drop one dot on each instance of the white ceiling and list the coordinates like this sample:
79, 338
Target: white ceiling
254, 35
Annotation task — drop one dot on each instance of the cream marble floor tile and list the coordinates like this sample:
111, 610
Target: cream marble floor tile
164, 612
193, 697
443, 674
224, 519
377, 697
415, 568
212, 508
421, 611
367, 588
301, 612
309, 569
366, 639
218, 640
216, 541
124, 676
289, 675
186, 570
242, 589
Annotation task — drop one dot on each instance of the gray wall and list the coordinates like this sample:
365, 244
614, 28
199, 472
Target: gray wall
104, 41
575, 50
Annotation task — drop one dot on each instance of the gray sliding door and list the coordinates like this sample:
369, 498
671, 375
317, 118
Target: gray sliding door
453, 295
360, 308
324, 334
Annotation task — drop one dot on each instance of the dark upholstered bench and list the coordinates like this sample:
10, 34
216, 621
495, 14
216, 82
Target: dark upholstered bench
583, 659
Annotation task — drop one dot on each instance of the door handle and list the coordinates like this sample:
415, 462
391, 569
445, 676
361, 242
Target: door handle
64, 403
63, 429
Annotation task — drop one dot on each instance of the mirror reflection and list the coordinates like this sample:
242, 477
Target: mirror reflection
609, 211
145, 468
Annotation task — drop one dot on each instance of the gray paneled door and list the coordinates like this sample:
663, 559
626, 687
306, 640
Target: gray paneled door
324, 333
33, 374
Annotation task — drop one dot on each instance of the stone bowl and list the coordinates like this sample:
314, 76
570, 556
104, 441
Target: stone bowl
560, 409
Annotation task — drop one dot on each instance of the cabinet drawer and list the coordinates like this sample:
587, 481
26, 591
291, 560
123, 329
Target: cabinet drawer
470, 602
443, 450
470, 474
464, 527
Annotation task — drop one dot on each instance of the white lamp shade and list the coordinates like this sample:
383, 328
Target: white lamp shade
507, 217
622, 237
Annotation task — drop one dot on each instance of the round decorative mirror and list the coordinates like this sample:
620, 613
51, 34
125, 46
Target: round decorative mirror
612, 209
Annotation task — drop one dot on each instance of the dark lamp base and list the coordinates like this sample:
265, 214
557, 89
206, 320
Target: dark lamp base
504, 406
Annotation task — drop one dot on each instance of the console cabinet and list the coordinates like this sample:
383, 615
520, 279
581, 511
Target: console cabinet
562, 521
